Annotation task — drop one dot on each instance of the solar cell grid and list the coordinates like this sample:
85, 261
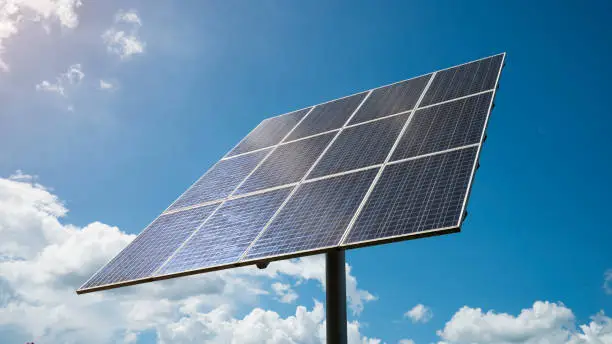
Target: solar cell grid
152, 247
226, 235
441, 127
360, 146
220, 180
327, 117
416, 195
287, 164
392, 99
269, 132
315, 216
260, 206
463, 80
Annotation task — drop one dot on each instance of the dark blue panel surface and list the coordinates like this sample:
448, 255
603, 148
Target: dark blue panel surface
315, 216
287, 164
269, 132
464, 80
226, 235
391, 99
416, 195
449, 125
360, 146
152, 247
220, 180
327, 116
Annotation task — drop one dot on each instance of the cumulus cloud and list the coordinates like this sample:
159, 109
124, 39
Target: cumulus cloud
72, 76
543, 323
14, 13
284, 292
122, 37
406, 341
419, 314
608, 282
43, 260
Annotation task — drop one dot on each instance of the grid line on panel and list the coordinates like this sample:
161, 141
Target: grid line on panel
360, 146
416, 195
315, 217
464, 80
328, 116
225, 236
392, 99
270, 132
442, 127
150, 248
219, 181
382, 168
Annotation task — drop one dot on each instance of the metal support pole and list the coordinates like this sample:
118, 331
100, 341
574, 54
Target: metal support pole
335, 285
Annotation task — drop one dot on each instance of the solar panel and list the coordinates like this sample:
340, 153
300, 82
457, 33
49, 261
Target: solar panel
392, 99
287, 164
328, 116
415, 196
220, 180
392, 163
269, 132
360, 146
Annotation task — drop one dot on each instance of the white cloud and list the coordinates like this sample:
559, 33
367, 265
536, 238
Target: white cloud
608, 282
106, 85
43, 260
284, 292
406, 341
72, 76
544, 323
14, 13
122, 37
419, 314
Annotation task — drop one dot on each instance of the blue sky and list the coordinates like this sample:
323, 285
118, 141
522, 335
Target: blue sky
538, 227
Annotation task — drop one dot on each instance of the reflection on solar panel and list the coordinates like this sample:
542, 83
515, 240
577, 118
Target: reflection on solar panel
393, 163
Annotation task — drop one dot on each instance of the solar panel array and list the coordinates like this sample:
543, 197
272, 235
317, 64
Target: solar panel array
389, 164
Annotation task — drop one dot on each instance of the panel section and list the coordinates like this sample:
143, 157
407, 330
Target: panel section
315, 217
269, 132
415, 196
327, 116
220, 180
464, 80
444, 126
391, 99
226, 235
360, 146
151, 248
287, 164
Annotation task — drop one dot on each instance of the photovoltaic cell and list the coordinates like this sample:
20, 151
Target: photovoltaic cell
415, 196
220, 180
391, 99
152, 247
449, 125
269, 132
315, 216
226, 235
327, 116
287, 164
360, 146
464, 80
